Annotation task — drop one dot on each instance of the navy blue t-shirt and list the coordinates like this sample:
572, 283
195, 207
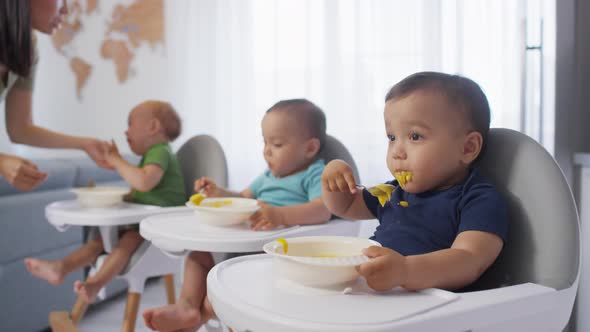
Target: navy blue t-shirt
432, 220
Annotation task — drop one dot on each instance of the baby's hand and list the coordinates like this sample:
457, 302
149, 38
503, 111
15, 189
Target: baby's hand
208, 186
386, 270
266, 218
98, 151
112, 152
338, 177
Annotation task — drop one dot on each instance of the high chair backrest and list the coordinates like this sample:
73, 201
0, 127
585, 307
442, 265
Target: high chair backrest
544, 238
333, 149
202, 155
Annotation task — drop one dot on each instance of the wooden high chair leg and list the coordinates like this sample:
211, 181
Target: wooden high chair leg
78, 310
169, 283
60, 321
131, 311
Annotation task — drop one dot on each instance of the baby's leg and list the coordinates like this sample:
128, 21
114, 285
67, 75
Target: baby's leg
186, 313
55, 271
113, 265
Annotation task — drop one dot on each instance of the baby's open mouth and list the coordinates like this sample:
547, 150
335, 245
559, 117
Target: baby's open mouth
403, 177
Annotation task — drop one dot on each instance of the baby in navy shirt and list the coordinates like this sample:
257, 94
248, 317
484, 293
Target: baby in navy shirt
444, 224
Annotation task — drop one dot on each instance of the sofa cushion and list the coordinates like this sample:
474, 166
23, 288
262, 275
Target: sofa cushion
60, 174
26, 301
25, 230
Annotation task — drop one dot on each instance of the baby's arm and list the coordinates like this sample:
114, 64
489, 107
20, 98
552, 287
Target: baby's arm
340, 194
269, 217
140, 178
470, 255
210, 189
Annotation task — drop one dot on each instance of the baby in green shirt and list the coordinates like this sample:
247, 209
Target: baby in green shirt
156, 181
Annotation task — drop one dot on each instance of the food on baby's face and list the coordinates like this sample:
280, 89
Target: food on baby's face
382, 192
403, 177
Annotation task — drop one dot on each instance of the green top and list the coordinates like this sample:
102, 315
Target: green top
170, 190
13, 80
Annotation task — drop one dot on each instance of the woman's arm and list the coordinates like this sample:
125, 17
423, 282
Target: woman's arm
22, 130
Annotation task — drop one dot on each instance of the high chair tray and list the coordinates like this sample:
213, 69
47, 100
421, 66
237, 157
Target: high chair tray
180, 232
247, 295
65, 213
252, 280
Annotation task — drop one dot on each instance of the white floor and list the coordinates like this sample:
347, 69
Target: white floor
108, 316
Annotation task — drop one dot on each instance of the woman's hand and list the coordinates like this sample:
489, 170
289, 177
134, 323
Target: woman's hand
267, 217
97, 150
20, 173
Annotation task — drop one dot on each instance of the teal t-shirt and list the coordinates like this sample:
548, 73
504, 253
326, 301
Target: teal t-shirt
299, 188
170, 190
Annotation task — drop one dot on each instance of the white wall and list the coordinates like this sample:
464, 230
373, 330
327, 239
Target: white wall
102, 111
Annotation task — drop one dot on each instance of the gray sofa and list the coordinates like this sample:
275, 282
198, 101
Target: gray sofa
26, 301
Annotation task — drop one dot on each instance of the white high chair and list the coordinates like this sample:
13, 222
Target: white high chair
199, 156
531, 286
185, 234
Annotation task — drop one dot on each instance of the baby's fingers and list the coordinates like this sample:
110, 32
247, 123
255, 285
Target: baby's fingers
368, 269
349, 178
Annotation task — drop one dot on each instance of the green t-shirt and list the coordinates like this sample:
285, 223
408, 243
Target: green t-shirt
170, 190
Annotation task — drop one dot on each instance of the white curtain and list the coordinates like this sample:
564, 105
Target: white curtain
235, 58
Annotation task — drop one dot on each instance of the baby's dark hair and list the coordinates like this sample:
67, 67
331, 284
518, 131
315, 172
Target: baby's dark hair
458, 90
169, 119
306, 112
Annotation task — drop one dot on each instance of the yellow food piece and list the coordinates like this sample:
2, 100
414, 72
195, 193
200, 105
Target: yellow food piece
218, 204
403, 177
404, 203
283, 242
382, 192
197, 198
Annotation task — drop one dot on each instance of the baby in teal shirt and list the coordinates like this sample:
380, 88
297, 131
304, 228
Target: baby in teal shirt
289, 193
156, 181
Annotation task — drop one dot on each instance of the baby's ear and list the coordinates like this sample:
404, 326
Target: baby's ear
155, 125
471, 147
313, 147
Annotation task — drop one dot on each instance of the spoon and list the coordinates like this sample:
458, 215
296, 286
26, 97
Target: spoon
381, 191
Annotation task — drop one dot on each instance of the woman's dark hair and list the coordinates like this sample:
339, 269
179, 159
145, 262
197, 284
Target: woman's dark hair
459, 91
16, 46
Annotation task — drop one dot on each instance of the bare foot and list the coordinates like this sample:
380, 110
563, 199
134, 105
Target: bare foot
52, 272
87, 290
180, 316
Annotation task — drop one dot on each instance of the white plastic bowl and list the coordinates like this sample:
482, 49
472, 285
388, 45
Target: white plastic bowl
237, 212
320, 261
96, 197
